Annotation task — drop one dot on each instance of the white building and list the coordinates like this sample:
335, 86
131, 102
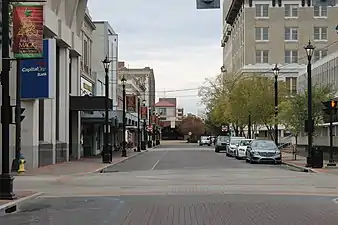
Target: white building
51, 128
324, 72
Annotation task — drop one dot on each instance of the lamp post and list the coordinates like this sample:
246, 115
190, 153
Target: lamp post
276, 72
154, 129
310, 125
138, 125
144, 145
149, 123
124, 151
106, 153
6, 179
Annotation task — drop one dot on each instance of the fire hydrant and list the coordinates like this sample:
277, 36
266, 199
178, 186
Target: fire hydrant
22, 162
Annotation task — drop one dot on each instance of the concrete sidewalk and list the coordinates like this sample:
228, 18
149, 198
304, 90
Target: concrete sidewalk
11, 206
300, 163
78, 167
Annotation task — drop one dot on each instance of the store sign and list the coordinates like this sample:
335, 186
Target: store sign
86, 87
37, 75
28, 31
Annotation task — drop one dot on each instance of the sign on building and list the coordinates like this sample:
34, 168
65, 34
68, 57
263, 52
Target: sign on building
86, 87
208, 4
131, 103
38, 75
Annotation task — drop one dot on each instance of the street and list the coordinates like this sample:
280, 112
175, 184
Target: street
180, 183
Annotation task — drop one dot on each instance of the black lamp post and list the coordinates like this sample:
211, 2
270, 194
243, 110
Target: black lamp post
124, 151
310, 124
106, 156
6, 179
138, 125
276, 72
144, 145
150, 144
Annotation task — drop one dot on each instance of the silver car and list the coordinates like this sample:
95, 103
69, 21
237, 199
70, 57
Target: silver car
260, 151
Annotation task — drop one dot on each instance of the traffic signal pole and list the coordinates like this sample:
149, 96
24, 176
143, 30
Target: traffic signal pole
330, 108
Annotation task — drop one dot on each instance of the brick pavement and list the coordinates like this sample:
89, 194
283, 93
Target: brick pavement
82, 166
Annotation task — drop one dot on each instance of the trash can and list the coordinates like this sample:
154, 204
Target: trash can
317, 158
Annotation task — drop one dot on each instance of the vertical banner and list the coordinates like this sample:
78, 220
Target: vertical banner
27, 31
144, 112
37, 75
131, 103
153, 119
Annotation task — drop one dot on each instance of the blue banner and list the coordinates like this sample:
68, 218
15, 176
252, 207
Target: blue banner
35, 83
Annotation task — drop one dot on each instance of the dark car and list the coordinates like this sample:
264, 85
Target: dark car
221, 143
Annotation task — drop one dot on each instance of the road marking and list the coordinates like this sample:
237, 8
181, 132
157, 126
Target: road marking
152, 168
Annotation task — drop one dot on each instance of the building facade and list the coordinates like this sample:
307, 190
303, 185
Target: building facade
259, 34
324, 72
51, 129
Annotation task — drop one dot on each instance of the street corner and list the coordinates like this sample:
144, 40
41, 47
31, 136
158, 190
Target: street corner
12, 206
298, 167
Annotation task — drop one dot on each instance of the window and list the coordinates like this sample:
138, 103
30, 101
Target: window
291, 85
291, 56
291, 34
262, 56
320, 33
262, 10
262, 33
320, 11
318, 54
162, 111
291, 10
85, 53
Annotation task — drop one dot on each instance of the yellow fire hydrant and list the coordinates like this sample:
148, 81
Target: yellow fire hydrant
21, 169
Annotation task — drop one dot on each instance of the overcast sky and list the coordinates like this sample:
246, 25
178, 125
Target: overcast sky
179, 42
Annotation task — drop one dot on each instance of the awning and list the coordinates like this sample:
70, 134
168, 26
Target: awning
89, 103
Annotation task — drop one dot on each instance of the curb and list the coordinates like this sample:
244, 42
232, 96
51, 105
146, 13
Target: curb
301, 168
14, 206
66, 177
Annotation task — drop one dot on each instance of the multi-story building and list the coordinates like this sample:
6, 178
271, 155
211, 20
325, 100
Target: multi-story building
179, 114
51, 128
259, 34
104, 44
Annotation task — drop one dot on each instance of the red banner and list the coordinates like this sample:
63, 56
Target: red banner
131, 103
153, 119
28, 31
144, 112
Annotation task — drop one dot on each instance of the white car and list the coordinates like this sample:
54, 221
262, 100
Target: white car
241, 150
232, 146
205, 140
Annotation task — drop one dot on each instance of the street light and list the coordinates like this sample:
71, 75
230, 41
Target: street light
138, 125
150, 144
145, 136
310, 124
124, 151
276, 72
6, 179
106, 156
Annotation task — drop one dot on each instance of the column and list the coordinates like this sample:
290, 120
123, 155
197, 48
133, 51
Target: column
75, 128
30, 133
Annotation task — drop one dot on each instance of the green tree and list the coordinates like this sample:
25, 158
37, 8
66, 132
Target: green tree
293, 112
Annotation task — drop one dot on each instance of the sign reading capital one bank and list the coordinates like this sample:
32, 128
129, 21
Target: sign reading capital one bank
38, 75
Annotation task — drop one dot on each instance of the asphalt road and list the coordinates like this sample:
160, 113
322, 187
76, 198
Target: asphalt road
178, 157
181, 184
178, 210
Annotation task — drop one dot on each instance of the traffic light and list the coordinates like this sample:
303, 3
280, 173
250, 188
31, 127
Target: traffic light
22, 117
22, 110
330, 106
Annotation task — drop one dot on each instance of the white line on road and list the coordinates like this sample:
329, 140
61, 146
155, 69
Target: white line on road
157, 162
152, 168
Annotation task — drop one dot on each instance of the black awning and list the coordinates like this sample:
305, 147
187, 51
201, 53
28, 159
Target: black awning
89, 103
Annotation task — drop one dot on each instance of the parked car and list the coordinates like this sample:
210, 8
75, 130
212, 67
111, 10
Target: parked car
241, 150
221, 143
260, 151
232, 146
205, 140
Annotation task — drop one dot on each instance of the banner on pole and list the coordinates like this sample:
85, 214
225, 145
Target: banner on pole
28, 31
131, 103
144, 112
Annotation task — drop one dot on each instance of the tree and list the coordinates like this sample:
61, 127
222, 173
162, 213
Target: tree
193, 124
293, 112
